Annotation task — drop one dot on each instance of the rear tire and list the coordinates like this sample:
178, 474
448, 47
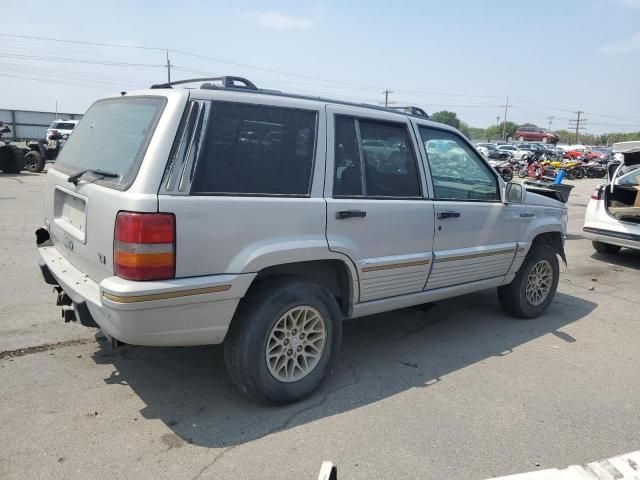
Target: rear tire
34, 161
265, 340
606, 248
521, 138
11, 159
532, 290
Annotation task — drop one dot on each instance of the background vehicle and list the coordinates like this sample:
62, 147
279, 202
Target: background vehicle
518, 153
504, 168
63, 127
494, 153
41, 151
11, 157
262, 220
535, 134
612, 220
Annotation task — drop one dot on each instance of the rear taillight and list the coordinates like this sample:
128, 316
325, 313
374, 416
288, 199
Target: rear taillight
144, 246
595, 195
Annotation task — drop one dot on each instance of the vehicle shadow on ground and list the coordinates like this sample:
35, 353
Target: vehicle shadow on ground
381, 356
21, 174
624, 258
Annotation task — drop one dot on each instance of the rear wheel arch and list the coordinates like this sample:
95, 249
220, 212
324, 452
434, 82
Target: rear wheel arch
332, 274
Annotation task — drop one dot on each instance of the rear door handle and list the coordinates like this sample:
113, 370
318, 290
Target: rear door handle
342, 214
528, 215
442, 215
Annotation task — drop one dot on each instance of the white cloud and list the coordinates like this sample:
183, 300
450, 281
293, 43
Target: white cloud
282, 21
631, 44
631, 3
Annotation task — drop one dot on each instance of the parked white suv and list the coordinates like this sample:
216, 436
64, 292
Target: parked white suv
263, 220
63, 127
612, 220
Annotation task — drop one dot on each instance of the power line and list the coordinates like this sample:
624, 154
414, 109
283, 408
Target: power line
18, 56
343, 84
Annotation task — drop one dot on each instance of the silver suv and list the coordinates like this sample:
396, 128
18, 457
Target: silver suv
263, 220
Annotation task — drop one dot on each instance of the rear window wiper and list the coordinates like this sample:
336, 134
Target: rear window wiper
75, 177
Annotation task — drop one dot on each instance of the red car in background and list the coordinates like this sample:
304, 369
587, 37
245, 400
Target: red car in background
535, 134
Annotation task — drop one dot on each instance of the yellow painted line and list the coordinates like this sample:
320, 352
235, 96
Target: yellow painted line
396, 265
164, 296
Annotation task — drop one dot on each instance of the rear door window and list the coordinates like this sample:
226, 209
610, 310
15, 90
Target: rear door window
112, 136
256, 150
374, 159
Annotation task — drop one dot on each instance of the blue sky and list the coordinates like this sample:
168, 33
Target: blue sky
550, 57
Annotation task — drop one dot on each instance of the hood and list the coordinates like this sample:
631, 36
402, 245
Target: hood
532, 198
630, 152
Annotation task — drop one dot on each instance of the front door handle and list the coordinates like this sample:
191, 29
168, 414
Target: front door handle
442, 215
342, 214
528, 215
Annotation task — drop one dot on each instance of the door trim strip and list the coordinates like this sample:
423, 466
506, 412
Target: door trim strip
396, 265
474, 255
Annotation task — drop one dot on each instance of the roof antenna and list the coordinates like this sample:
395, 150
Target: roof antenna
123, 93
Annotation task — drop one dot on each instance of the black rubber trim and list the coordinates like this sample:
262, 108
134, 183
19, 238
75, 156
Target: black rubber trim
610, 233
46, 273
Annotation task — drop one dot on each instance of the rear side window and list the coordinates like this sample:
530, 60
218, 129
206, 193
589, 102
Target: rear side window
256, 149
374, 159
63, 126
113, 136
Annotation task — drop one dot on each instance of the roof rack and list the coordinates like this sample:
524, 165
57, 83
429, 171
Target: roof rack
412, 110
227, 82
240, 84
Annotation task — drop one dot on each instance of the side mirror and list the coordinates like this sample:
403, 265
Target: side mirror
514, 193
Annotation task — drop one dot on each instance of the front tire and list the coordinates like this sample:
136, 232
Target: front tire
283, 340
521, 138
532, 290
602, 247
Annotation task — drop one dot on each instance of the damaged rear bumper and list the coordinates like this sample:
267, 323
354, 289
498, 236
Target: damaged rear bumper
177, 312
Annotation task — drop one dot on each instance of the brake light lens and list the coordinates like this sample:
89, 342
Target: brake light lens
144, 246
595, 195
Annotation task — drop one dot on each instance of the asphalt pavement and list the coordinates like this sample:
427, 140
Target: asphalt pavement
454, 390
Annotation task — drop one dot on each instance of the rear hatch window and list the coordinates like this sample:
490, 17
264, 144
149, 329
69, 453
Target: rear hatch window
113, 136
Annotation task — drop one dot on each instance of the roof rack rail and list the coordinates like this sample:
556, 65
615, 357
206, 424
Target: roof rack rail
227, 82
412, 110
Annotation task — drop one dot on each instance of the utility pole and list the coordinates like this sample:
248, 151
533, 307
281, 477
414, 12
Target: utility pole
168, 68
386, 97
578, 124
504, 122
550, 121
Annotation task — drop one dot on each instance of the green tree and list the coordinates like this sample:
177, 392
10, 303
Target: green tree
446, 117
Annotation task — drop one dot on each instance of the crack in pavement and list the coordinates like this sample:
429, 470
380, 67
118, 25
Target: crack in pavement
289, 420
21, 352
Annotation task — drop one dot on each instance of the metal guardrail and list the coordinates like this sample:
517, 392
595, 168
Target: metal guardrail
30, 124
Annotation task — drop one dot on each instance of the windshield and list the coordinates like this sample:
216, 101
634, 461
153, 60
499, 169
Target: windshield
113, 136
